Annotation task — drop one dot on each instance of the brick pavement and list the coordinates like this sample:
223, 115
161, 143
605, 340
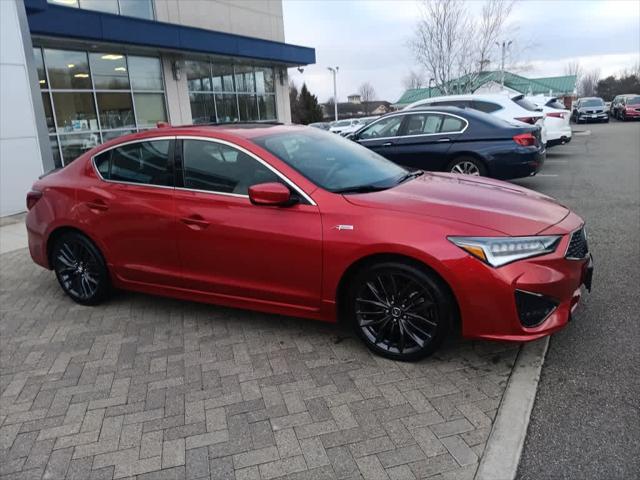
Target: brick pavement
152, 388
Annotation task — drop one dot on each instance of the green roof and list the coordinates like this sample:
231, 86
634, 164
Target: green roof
531, 86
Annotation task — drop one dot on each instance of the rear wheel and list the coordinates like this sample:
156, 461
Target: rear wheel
80, 269
467, 166
400, 311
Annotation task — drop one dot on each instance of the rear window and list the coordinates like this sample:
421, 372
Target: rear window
526, 104
487, 107
142, 162
555, 103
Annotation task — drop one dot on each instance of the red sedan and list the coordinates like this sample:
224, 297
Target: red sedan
296, 221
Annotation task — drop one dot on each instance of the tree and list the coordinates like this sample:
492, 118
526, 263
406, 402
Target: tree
450, 43
413, 80
367, 95
588, 83
293, 103
308, 110
612, 86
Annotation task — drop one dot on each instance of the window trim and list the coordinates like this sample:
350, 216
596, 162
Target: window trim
282, 176
123, 144
414, 112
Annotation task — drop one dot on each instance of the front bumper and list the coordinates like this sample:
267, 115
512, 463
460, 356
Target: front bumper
487, 300
593, 117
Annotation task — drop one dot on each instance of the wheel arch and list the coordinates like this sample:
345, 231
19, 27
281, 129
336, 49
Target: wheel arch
363, 262
61, 230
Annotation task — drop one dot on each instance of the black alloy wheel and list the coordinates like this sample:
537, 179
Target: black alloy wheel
80, 269
400, 311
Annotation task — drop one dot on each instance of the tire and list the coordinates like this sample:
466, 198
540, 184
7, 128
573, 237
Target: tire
80, 269
465, 165
390, 328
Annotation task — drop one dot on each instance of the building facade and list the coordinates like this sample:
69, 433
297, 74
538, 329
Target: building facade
76, 73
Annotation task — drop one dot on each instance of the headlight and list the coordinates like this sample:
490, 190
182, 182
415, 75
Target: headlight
498, 251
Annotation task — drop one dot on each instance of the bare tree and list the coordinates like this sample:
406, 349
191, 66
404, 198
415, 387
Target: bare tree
413, 80
573, 67
450, 43
588, 83
367, 94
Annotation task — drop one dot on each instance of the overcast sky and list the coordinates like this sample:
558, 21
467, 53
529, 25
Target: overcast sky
368, 39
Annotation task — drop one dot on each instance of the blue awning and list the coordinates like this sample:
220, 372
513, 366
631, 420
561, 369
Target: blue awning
79, 24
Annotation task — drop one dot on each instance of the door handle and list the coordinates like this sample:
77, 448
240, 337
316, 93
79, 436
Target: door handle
195, 222
98, 204
388, 144
444, 140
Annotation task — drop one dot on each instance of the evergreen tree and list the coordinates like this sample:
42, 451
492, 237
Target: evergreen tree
305, 108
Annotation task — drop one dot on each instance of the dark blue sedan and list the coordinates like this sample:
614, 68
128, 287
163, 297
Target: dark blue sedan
457, 140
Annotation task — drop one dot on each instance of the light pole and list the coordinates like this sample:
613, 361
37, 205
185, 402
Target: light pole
504, 47
431, 80
334, 71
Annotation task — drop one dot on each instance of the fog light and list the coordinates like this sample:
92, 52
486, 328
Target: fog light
533, 308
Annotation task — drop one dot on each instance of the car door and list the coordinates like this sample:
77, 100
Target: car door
425, 139
232, 248
130, 211
381, 136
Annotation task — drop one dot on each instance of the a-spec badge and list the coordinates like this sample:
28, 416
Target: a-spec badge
343, 227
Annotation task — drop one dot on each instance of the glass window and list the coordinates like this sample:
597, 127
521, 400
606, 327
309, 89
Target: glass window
150, 108
220, 168
387, 127
526, 104
198, 76
227, 108
137, 8
423, 124
144, 162
109, 71
111, 134
331, 161
451, 124
145, 73
222, 77
66, 3
108, 6
55, 151
202, 108
75, 111
487, 107
74, 145
264, 80
116, 110
248, 108
267, 107
42, 77
67, 69
244, 79
555, 103
102, 164
48, 113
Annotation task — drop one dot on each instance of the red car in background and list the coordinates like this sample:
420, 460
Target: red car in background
629, 108
296, 221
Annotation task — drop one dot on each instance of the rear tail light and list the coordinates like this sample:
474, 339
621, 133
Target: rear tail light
32, 198
556, 114
525, 139
529, 120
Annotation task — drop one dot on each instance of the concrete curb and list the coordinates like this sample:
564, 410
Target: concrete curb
504, 447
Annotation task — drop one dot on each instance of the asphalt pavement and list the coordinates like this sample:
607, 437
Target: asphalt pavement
586, 419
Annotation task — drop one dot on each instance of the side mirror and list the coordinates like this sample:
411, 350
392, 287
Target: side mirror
271, 194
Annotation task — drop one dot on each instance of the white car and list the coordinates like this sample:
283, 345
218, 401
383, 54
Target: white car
344, 127
557, 119
506, 106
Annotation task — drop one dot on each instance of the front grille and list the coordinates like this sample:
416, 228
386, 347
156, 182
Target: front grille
578, 248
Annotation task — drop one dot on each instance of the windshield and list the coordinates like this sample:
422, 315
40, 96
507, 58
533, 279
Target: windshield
633, 100
526, 104
555, 103
332, 162
592, 102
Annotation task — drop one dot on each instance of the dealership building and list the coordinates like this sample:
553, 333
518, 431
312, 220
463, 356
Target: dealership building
75, 73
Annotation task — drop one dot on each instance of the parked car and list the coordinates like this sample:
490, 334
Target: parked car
557, 119
456, 140
321, 125
614, 110
507, 107
588, 109
403, 256
629, 108
345, 126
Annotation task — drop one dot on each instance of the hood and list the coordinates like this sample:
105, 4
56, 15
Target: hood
500, 206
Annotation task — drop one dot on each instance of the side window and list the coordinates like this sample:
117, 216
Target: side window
451, 124
487, 107
424, 123
143, 162
216, 167
102, 164
387, 127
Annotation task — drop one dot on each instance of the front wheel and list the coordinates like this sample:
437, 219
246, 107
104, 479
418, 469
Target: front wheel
80, 269
400, 311
468, 166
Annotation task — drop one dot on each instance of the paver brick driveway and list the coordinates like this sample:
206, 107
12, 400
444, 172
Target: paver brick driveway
157, 388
